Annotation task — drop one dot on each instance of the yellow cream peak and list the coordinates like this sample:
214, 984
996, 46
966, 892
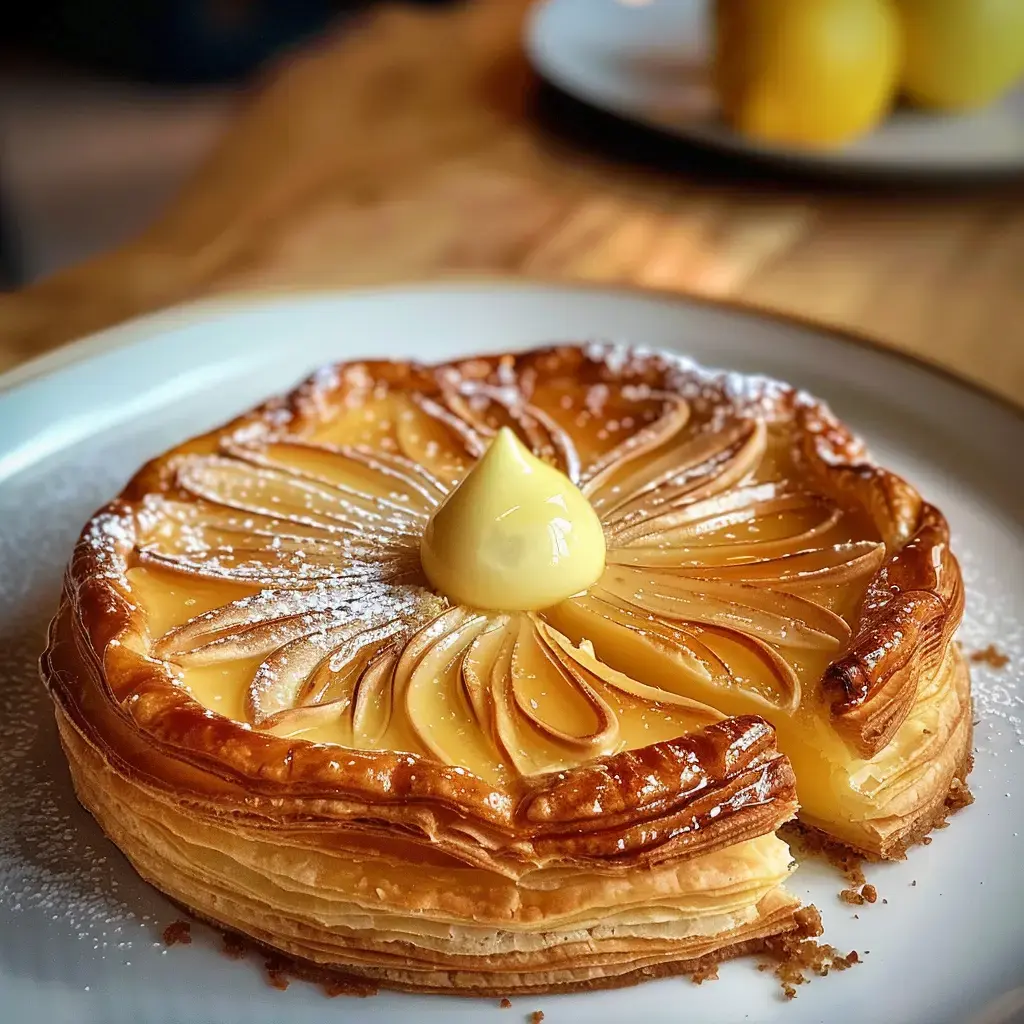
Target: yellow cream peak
515, 535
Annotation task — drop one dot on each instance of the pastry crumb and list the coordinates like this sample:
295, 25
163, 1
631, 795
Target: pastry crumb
709, 972
807, 842
808, 922
277, 976
178, 932
281, 971
959, 796
342, 986
858, 897
536, 1017
506, 1003
990, 656
798, 952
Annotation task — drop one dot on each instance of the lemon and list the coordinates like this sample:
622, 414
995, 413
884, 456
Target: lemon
961, 53
813, 73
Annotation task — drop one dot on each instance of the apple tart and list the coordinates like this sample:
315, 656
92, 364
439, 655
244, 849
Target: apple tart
501, 675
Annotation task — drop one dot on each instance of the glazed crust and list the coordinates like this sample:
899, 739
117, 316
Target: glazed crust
914, 601
123, 718
942, 761
910, 614
255, 878
716, 787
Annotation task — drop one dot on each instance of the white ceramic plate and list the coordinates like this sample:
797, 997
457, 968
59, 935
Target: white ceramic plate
80, 933
646, 60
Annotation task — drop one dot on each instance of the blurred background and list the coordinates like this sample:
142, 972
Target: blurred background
106, 107
857, 162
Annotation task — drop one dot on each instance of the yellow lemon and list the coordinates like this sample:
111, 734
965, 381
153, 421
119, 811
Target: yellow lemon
961, 53
806, 72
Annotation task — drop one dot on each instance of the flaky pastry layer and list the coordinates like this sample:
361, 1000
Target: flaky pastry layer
324, 898
629, 862
425, 900
902, 791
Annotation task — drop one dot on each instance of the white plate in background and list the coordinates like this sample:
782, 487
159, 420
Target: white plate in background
647, 61
80, 933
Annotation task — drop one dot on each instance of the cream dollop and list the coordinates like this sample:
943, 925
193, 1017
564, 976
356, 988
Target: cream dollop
515, 535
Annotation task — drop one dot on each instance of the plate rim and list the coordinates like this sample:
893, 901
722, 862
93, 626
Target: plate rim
139, 331
136, 330
793, 160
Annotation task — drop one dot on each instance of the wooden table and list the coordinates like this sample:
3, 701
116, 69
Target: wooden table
416, 145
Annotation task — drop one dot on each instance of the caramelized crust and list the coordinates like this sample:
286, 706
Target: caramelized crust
192, 796
939, 762
914, 601
912, 609
696, 793
337, 900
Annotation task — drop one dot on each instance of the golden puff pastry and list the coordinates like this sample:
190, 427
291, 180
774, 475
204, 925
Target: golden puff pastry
286, 729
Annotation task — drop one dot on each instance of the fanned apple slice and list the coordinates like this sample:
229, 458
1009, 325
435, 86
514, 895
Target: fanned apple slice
371, 710
586, 659
374, 485
716, 519
803, 571
705, 464
478, 664
487, 408
523, 729
429, 420
645, 441
274, 568
556, 697
586, 616
289, 496
684, 661
397, 469
783, 619
435, 700
313, 677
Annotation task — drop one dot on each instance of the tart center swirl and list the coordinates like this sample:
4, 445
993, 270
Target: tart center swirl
348, 586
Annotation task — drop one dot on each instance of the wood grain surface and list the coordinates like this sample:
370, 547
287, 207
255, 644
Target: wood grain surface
417, 144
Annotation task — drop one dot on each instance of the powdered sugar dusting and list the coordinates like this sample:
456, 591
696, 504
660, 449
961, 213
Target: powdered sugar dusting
998, 692
57, 871
755, 394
